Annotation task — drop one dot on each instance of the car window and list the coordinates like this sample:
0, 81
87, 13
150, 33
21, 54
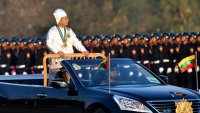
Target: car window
121, 73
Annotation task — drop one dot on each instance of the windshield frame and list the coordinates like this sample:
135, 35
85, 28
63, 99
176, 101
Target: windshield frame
98, 61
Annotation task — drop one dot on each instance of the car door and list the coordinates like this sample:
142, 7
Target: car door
55, 100
13, 99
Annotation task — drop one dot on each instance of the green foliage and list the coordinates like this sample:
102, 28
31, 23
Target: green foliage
34, 17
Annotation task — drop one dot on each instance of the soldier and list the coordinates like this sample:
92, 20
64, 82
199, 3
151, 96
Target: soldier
31, 56
114, 46
105, 48
198, 56
186, 77
5, 57
177, 58
144, 51
22, 57
126, 46
172, 62
13, 51
164, 55
154, 53
193, 48
39, 54
96, 44
87, 43
135, 48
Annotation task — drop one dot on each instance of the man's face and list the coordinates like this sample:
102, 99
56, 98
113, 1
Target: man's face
64, 21
4, 44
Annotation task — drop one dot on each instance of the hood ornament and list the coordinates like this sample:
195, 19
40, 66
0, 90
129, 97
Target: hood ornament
184, 107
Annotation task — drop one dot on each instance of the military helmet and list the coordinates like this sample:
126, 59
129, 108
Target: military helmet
165, 35
156, 35
127, 37
136, 35
172, 35
145, 37
107, 37
96, 37
193, 34
185, 34
118, 36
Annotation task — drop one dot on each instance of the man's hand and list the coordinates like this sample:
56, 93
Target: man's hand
86, 53
61, 54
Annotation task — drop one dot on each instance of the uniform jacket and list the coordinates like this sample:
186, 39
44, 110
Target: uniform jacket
54, 41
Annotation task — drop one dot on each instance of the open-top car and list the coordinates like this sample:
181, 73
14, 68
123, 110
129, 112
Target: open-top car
126, 87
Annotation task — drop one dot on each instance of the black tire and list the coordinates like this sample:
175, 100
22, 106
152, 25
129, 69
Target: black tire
99, 110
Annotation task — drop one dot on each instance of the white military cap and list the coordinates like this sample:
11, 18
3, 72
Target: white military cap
58, 14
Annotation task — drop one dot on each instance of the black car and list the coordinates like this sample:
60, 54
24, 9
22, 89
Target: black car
127, 87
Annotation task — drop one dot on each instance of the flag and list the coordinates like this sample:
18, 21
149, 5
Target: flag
187, 63
105, 63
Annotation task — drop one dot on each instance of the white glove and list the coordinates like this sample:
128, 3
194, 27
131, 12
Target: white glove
176, 69
6, 73
161, 69
24, 73
13, 73
169, 70
189, 70
197, 68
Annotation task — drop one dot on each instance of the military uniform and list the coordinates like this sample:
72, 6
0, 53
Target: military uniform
105, 48
164, 55
55, 43
13, 52
144, 51
22, 57
61, 39
125, 52
114, 46
154, 53
96, 47
186, 77
87, 43
172, 63
31, 56
193, 48
198, 57
135, 48
40, 52
5, 58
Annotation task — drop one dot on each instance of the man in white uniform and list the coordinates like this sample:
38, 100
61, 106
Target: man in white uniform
61, 39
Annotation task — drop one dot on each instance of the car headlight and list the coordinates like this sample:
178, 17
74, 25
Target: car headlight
128, 104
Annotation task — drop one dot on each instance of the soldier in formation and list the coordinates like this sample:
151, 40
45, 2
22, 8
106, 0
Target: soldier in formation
160, 52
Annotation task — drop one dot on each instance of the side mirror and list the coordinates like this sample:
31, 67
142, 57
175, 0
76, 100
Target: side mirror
164, 78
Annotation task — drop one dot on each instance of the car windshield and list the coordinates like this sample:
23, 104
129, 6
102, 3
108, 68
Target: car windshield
121, 72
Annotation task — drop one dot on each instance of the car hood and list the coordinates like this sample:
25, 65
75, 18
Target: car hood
158, 92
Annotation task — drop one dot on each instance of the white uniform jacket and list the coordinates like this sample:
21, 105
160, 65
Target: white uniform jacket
54, 41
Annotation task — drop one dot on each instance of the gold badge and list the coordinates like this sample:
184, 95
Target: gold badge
28, 55
142, 50
103, 52
68, 35
184, 107
112, 52
64, 46
171, 50
191, 50
161, 48
8, 55
134, 52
